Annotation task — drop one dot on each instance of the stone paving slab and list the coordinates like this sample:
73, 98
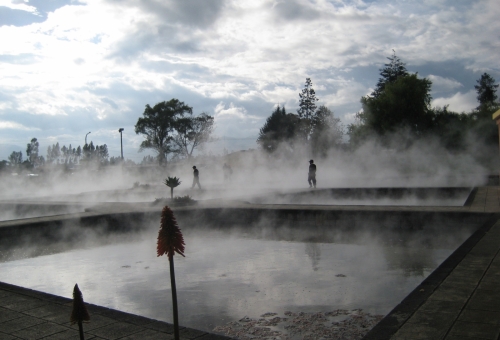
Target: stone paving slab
28, 314
465, 305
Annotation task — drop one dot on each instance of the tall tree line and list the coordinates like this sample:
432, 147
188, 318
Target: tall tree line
398, 109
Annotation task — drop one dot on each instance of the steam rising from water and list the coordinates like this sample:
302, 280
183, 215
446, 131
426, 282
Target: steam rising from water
423, 164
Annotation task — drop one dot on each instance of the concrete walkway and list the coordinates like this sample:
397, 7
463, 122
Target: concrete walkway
466, 305
459, 300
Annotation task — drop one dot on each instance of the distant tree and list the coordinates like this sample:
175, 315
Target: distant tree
366, 124
390, 73
102, 154
115, 160
64, 152
327, 131
307, 101
307, 108
4, 165
192, 132
88, 152
16, 158
484, 130
280, 127
403, 105
157, 125
148, 160
32, 151
56, 152
451, 128
49, 154
486, 91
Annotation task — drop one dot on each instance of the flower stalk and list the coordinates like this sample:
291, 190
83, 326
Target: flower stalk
170, 241
79, 312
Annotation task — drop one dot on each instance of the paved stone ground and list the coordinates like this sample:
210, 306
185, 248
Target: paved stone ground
466, 305
460, 300
28, 314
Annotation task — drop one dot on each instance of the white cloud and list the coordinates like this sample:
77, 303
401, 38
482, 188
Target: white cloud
459, 102
222, 110
443, 84
234, 121
19, 6
15, 126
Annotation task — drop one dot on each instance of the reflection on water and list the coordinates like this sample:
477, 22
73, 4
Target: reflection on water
225, 277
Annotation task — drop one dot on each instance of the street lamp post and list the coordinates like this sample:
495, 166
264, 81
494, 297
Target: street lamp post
86, 138
121, 140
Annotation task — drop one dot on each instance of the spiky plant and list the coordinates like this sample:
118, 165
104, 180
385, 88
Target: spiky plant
170, 241
172, 182
79, 312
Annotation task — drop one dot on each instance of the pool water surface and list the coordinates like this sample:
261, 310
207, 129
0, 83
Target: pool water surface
227, 276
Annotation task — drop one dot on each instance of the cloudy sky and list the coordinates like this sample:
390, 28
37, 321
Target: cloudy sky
70, 67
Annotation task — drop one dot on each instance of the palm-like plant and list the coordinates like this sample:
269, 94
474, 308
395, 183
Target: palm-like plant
170, 241
172, 182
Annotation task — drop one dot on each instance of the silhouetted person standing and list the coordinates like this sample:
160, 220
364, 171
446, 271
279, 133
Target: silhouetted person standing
196, 177
311, 178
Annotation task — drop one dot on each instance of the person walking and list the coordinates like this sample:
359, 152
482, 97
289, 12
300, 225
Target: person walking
196, 177
311, 178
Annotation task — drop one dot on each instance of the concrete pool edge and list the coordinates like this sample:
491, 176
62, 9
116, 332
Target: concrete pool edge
400, 315
34, 308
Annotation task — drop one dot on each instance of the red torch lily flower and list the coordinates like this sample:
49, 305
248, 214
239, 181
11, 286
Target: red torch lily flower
170, 238
171, 241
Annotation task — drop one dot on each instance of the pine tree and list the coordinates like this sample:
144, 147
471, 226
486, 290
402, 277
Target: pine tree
279, 127
307, 101
390, 73
486, 91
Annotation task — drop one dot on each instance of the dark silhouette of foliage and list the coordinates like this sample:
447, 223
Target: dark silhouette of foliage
157, 125
390, 73
16, 158
486, 91
326, 131
306, 111
307, 101
483, 128
451, 128
32, 151
279, 127
403, 103
192, 132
